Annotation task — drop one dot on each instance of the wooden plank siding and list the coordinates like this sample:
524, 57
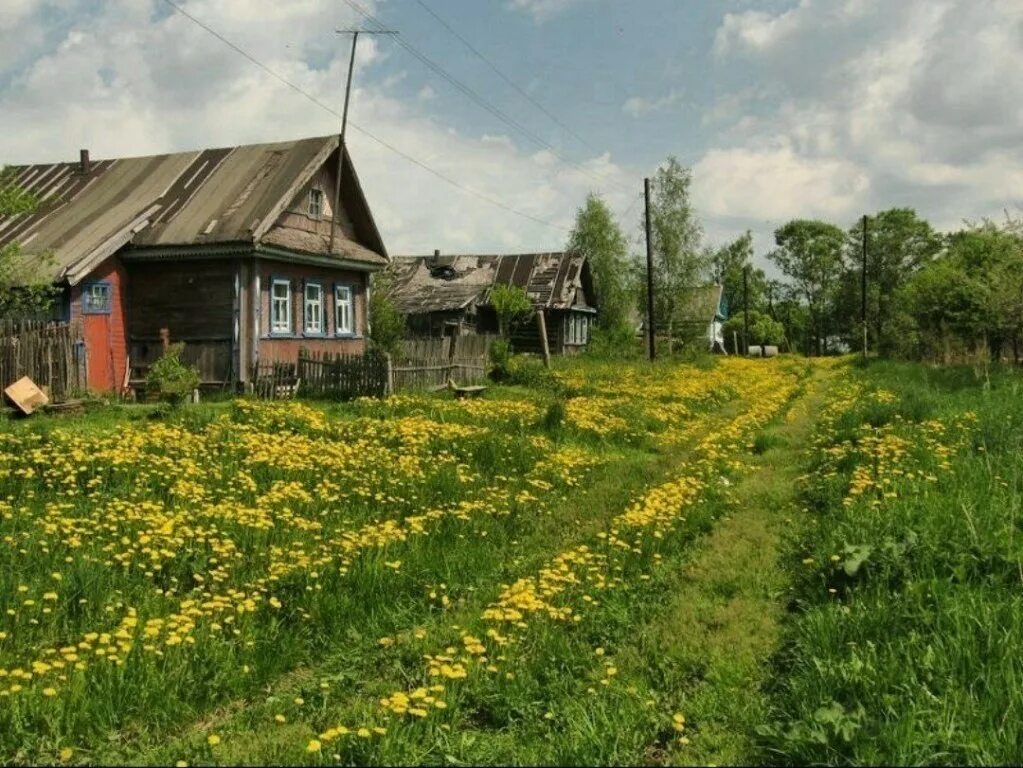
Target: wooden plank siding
194, 301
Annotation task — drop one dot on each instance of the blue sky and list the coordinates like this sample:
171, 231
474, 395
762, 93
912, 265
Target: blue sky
783, 108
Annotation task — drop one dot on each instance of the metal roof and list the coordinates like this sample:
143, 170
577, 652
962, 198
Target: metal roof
212, 196
423, 284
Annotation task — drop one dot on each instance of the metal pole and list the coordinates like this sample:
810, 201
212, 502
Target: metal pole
649, 275
745, 310
336, 202
863, 288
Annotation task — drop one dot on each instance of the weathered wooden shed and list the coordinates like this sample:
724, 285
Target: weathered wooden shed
228, 250
449, 295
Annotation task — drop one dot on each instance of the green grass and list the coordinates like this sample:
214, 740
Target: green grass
812, 563
909, 649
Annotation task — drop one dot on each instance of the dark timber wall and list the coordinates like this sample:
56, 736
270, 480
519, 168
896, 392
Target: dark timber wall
194, 300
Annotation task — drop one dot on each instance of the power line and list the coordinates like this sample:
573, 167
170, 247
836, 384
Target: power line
360, 129
504, 77
479, 100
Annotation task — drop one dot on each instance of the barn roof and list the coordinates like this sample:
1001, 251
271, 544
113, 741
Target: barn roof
231, 195
423, 284
701, 304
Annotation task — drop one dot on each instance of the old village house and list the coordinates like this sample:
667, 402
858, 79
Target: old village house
228, 250
449, 295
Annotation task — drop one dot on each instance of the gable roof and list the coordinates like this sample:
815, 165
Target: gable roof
701, 304
231, 195
423, 284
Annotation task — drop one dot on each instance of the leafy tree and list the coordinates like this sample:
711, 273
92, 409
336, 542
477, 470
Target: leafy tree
597, 235
728, 262
676, 234
510, 303
899, 243
809, 252
762, 329
386, 323
24, 290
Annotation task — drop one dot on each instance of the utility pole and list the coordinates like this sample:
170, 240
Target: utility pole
863, 288
649, 276
336, 202
745, 309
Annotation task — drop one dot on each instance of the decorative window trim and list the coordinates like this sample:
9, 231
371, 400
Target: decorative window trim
339, 329
275, 329
318, 302
89, 306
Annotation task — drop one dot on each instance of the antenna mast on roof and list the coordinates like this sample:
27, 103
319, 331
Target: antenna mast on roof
336, 202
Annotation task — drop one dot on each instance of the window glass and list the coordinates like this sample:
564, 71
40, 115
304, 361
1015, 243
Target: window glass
96, 299
315, 202
344, 312
313, 308
280, 309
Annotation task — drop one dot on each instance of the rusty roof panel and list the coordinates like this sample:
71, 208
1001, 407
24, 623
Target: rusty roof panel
423, 284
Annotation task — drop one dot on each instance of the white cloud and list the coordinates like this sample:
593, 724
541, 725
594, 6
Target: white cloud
872, 104
776, 183
637, 106
133, 80
542, 10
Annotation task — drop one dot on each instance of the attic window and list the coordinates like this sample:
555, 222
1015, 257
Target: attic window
315, 202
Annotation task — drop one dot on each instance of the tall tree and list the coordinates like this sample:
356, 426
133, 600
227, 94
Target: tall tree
676, 234
899, 242
597, 235
728, 263
25, 288
809, 252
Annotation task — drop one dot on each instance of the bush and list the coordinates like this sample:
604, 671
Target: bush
615, 343
500, 356
170, 380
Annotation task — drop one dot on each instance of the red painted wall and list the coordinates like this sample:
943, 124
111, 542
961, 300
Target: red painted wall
286, 349
105, 335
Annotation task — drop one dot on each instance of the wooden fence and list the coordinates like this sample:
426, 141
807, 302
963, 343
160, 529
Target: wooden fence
337, 377
426, 363
421, 364
51, 354
343, 377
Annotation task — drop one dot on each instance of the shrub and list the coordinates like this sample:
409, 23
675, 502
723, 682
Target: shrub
170, 379
500, 356
613, 343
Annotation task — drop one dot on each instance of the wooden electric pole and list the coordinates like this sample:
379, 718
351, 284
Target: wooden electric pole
745, 310
863, 288
649, 276
336, 202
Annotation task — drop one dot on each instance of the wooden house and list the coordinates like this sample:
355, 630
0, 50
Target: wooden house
227, 250
449, 296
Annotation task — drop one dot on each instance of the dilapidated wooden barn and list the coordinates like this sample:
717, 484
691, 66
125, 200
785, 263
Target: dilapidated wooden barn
449, 296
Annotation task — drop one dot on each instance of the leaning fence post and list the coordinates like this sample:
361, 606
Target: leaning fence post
389, 384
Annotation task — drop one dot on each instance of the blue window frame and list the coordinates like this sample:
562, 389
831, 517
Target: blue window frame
97, 298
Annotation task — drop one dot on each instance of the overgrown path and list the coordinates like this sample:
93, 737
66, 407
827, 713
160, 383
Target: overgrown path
722, 623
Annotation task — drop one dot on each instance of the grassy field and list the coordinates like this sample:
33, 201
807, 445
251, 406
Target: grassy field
744, 561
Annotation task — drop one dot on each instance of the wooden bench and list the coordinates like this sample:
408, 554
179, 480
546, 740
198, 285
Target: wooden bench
473, 391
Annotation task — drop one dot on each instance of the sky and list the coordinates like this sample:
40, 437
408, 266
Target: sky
782, 108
